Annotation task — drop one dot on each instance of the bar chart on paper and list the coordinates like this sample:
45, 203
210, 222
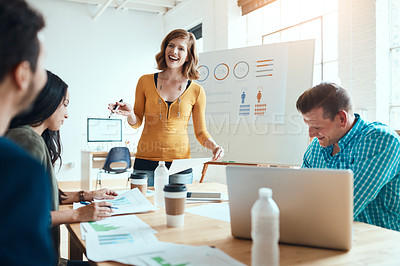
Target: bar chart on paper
116, 225
111, 246
122, 201
177, 254
103, 226
162, 261
116, 236
115, 239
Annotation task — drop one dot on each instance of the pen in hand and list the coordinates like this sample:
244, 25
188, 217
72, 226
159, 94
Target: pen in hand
115, 107
87, 203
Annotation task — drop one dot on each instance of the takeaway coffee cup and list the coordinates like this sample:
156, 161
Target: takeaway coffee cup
139, 180
175, 200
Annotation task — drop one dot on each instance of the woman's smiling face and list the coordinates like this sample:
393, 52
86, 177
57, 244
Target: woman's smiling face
176, 53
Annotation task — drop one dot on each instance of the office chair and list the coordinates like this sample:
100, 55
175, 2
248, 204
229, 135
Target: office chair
118, 161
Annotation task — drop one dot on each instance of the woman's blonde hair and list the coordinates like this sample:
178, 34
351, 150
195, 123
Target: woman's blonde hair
189, 68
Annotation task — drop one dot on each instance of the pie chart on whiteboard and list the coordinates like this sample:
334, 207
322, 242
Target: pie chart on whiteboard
241, 70
204, 73
221, 71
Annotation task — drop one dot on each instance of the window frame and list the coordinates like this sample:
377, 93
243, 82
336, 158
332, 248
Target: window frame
393, 50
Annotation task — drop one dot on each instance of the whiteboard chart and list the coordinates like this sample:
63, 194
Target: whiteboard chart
251, 102
245, 85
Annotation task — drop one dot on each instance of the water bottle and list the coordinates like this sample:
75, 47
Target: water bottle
160, 180
265, 230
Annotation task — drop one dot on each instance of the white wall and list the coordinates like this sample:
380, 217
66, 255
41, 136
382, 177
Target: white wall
223, 25
364, 55
101, 61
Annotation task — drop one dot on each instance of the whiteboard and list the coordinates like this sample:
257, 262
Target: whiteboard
256, 128
245, 85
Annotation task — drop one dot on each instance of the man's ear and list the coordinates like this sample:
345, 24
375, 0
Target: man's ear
343, 117
23, 76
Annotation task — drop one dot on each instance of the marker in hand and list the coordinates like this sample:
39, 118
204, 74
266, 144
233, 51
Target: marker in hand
87, 203
115, 107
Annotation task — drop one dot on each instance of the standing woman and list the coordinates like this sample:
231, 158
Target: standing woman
166, 100
38, 132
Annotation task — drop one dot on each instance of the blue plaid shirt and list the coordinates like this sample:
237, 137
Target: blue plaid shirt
372, 152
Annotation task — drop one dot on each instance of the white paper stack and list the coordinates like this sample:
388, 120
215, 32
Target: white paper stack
176, 254
219, 211
118, 237
179, 165
129, 240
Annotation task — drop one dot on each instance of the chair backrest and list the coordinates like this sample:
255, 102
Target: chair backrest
117, 155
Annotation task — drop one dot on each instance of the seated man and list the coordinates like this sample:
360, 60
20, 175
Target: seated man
343, 140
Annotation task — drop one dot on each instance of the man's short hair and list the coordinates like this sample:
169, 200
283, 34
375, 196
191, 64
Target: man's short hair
19, 26
330, 96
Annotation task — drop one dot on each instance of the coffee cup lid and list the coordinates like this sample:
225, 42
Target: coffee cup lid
175, 188
138, 175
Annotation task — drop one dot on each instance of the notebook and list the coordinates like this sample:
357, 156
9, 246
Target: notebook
316, 205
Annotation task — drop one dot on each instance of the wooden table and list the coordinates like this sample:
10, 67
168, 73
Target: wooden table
371, 245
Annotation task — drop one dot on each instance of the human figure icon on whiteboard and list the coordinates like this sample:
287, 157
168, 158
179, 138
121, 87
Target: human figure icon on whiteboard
164, 101
243, 96
259, 96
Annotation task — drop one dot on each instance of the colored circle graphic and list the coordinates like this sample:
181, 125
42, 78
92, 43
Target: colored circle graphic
204, 73
221, 71
241, 70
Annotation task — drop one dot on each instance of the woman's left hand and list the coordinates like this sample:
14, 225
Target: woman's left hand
104, 194
218, 153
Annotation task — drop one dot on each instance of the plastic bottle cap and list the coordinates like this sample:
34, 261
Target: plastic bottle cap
264, 192
161, 163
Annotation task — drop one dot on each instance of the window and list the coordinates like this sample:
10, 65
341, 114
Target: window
198, 33
394, 10
292, 20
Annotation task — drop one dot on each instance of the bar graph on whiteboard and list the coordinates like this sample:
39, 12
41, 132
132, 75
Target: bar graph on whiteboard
264, 68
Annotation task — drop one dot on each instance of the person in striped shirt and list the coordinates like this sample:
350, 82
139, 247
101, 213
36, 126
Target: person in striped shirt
341, 139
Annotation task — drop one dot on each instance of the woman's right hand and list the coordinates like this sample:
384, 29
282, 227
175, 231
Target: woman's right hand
123, 108
94, 212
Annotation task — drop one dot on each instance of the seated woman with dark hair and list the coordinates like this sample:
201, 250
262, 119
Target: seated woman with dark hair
38, 132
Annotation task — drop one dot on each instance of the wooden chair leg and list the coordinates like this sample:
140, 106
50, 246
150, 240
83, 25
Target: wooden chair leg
74, 253
203, 172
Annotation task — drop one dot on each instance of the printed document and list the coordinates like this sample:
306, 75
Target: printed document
177, 254
131, 201
184, 164
126, 223
219, 211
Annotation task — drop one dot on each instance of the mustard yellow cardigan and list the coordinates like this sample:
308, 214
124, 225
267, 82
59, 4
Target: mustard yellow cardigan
165, 136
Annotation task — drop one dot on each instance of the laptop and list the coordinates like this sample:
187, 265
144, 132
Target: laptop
315, 205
